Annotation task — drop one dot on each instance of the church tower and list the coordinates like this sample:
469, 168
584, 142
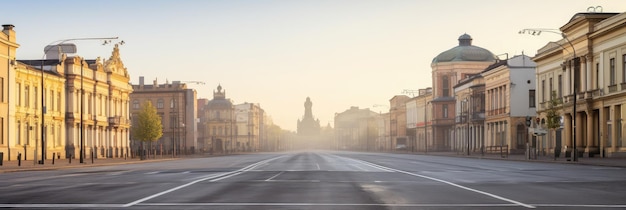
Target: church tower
308, 126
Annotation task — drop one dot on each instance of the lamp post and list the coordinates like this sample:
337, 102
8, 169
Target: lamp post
467, 116
58, 45
537, 32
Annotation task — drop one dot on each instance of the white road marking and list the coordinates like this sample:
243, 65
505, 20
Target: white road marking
210, 178
274, 176
154, 172
318, 166
357, 166
57, 205
329, 204
450, 183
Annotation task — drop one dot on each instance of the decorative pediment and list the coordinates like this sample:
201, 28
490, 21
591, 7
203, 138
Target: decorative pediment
114, 64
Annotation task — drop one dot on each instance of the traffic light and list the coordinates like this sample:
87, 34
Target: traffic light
528, 121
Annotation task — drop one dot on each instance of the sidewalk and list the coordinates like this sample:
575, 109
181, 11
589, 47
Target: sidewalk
597, 161
30, 165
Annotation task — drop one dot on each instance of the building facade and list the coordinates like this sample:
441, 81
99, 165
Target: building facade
8, 47
589, 68
176, 105
220, 122
509, 100
448, 68
356, 129
249, 130
397, 120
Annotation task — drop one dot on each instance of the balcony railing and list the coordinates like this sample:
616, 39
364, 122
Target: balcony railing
496, 111
612, 88
116, 121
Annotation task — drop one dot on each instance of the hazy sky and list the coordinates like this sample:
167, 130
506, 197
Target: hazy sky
340, 53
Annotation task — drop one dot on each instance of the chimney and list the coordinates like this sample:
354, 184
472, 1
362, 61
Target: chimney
8, 30
141, 82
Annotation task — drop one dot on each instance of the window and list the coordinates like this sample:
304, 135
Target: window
19, 134
36, 97
624, 68
2, 89
550, 90
598, 75
560, 86
173, 103
612, 71
19, 94
135, 104
52, 100
160, 103
543, 90
445, 111
173, 121
531, 98
26, 96
59, 100
445, 86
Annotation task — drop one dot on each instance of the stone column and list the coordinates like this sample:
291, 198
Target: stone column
591, 146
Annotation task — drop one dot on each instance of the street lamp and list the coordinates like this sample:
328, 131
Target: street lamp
467, 116
537, 32
58, 45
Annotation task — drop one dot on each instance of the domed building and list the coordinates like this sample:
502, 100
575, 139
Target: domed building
448, 68
220, 122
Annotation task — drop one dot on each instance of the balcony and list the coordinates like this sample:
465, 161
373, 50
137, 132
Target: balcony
497, 111
612, 88
478, 116
116, 121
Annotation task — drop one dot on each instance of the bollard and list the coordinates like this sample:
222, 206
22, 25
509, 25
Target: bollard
70, 158
53, 156
91, 156
19, 159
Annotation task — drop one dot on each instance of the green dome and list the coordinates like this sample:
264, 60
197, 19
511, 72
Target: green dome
465, 52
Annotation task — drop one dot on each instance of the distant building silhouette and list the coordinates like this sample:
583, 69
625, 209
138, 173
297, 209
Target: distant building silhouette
308, 126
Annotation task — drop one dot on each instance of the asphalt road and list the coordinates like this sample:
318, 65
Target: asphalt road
320, 180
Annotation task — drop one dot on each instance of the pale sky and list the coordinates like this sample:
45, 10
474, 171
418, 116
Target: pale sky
341, 53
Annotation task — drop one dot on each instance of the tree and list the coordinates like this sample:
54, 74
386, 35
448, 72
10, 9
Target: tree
553, 117
148, 127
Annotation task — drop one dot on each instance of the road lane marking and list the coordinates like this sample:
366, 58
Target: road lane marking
274, 176
318, 166
329, 204
357, 166
450, 183
154, 172
210, 178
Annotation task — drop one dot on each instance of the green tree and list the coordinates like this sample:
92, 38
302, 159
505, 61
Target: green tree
553, 117
148, 127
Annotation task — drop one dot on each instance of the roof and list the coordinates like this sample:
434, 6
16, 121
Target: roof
465, 51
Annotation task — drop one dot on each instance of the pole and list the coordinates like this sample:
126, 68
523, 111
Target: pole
82, 107
43, 112
468, 128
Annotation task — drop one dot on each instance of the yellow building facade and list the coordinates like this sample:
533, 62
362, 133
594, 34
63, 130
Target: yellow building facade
8, 46
594, 52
